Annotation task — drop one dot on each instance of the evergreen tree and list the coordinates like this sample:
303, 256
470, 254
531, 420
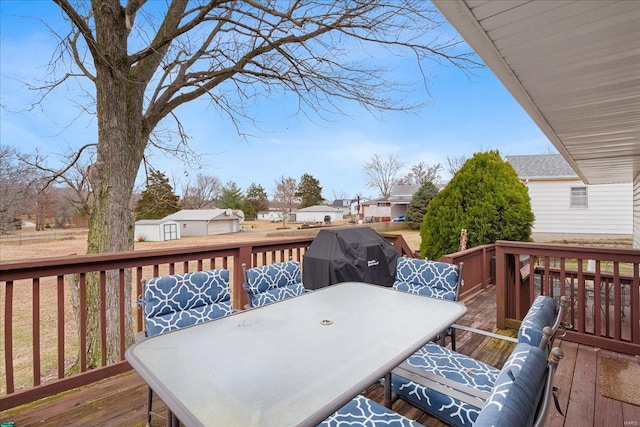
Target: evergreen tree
486, 198
255, 200
231, 197
309, 191
158, 199
418, 205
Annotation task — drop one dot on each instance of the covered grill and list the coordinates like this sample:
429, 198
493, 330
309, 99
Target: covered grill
356, 254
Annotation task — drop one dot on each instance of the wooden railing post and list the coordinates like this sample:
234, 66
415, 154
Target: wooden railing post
501, 291
240, 298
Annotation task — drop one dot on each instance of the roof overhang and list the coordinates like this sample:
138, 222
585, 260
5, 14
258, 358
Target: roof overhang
574, 66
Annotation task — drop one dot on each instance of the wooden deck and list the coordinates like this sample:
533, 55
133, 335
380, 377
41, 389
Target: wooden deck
120, 401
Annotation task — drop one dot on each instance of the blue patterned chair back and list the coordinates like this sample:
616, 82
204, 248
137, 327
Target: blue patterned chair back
525, 366
543, 312
175, 301
429, 278
518, 391
363, 412
273, 282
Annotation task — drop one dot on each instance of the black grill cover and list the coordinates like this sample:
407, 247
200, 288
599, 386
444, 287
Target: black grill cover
356, 254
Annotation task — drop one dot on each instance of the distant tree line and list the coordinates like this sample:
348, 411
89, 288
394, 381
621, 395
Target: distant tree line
28, 191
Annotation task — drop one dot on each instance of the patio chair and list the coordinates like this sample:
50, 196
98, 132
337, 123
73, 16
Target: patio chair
272, 283
522, 398
180, 300
363, 412
432, 279
445, 370
462, 391
544, 312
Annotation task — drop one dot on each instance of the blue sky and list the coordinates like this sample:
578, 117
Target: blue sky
464, 114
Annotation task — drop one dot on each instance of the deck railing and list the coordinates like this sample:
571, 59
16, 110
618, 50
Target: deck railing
41, 337
603, 285
478, 270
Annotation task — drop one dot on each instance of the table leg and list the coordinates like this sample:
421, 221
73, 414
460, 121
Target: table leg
387, 390
172, 419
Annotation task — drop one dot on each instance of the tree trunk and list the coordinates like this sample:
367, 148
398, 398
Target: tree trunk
121, 144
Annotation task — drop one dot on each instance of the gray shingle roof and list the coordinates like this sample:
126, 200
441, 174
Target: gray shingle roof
152, 221
404, 190
201, 215
541, 166
319, 208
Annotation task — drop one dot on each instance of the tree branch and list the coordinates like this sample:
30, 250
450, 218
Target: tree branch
82, 26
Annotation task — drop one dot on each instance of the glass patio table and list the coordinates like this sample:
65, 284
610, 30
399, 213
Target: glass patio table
294, 362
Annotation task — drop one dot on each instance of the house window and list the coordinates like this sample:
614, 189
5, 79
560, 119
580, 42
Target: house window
578, 197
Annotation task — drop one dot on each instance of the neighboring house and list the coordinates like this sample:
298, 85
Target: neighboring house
273, 216
565, 207
400, 198
346, 205
156, 230
205, 222
376, 210
578, 81
318, 213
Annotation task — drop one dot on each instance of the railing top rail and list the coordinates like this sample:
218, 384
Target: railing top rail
77, 263
569, 251
471, 251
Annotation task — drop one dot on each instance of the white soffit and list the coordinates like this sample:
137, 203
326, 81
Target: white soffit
574, 66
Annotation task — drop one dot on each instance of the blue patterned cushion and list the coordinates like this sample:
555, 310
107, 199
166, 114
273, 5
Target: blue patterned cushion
273, 282
542, 313
517, 392
179, 300
362, 412
454, 366
428, 278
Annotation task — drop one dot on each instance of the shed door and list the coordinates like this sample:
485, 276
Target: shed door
170, 231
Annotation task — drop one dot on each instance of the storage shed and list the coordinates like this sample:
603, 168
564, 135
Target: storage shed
156, 230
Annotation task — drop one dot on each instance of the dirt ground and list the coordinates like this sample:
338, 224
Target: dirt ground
54, 243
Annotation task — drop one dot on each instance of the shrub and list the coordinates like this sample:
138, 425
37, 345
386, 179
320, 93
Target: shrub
418, 205
486, 197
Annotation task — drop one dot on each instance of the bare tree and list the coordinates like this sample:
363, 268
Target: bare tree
204, 193
14, 186
145, 59
339, 195
422, 173
75, 176
80, 194
454, 163
383, 174
284, 196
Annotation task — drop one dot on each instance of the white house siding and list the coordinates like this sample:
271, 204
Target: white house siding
609, 211
636, 212
193, 228
373, 211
